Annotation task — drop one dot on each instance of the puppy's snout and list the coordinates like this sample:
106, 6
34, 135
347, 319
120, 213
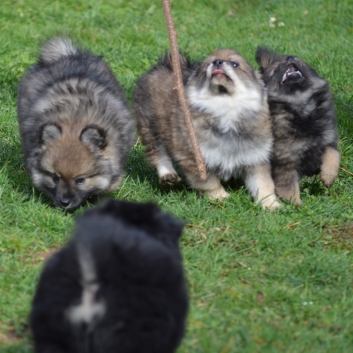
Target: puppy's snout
290, 58
218, 63
64, 201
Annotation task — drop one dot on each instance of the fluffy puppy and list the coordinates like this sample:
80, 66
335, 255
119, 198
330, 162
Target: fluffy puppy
229, 108
117, 286
74, 123
303, 120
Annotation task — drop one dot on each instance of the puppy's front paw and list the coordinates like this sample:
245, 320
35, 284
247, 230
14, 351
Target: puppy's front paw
216, 194
270, 204
169, 179
330, 166
328, 178
290, 193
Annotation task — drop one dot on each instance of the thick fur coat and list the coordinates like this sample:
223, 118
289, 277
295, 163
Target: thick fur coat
230, 114
117, 287
303, 120
74, 123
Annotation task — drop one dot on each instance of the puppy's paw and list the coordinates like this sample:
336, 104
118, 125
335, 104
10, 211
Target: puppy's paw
289, 193
328, 178
169, 179
270, 203
330, 166
294, 200
216, 194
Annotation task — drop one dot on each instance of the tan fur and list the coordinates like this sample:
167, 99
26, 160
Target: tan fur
290, 192
211, 187
68, 157
330, 165
230, 114
265, 193
75, 124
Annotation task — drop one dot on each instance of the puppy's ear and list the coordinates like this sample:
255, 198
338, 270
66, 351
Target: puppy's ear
265, 57
145, 216
94, 137
49, 132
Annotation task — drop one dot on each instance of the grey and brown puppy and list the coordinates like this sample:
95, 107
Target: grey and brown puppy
304, 123
230, 114
74, 122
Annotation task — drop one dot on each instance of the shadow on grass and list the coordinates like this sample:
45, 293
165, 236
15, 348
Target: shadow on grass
139, 169
312, 186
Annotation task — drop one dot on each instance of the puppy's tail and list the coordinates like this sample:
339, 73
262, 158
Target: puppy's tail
57, 48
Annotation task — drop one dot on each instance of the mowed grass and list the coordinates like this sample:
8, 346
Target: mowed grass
258, 281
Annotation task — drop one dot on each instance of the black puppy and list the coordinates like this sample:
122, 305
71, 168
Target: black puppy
117, 286
303, 123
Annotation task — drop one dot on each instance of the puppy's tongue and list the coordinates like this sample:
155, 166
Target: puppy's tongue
217, 72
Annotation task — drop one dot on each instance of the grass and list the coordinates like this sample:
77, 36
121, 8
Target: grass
258, 281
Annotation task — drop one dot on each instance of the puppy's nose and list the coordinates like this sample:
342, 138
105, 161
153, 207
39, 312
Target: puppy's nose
290, 57
64, 202
218, 63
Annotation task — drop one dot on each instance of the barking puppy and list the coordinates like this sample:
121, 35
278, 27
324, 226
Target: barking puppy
230, 114
117, 287
75, 125
304, 123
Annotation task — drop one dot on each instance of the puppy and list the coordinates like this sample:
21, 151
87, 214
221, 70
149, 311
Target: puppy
74, 123
229, 108
117, 286
303, 121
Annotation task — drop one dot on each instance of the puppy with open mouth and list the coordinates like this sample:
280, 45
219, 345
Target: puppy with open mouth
230, 114
304, 123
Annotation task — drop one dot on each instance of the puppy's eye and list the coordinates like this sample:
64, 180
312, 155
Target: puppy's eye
80, 181
290, 57
235, 64
56, 179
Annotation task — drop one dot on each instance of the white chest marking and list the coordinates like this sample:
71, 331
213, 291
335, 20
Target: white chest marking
89, 309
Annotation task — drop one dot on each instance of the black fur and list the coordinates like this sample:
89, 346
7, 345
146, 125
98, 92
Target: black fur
138, 275
303, 121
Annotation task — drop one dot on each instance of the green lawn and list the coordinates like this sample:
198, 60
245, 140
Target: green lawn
258, 281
